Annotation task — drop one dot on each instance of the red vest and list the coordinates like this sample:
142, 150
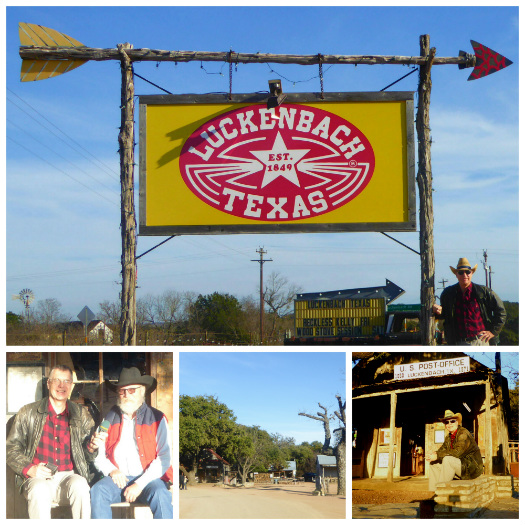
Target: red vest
146, 425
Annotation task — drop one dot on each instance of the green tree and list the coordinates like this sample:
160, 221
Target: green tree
13, 319
251, 450
510, 333
280, 451
304, 456
204, 422
221, 314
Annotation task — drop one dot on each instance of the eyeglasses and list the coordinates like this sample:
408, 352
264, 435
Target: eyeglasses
450, 421
122, 391
461, 272
56, 381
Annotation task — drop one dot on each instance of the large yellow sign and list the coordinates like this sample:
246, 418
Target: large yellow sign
210, 165
340, 317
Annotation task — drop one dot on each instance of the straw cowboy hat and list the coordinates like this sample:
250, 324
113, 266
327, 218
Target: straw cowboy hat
450, 415
131, 376
463, 264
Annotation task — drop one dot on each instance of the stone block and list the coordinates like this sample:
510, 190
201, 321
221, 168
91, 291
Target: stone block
442, 509
444, 491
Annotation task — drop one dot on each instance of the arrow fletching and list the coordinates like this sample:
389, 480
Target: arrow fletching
36, 35
487, 61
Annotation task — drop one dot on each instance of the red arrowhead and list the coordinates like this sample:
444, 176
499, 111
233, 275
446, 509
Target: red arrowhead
487, 61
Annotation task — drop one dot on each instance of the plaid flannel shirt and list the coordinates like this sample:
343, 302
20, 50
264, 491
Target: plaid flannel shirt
55, 443
468, 315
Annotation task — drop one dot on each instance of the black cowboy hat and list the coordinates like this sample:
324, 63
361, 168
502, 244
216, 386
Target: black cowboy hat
132, 376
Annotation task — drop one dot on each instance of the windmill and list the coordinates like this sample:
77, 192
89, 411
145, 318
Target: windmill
27, 297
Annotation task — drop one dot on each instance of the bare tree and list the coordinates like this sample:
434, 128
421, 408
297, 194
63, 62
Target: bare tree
279, 295
325, 420
109, 312
49, 312
340, 449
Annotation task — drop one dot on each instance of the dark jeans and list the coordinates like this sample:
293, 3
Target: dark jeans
155, 494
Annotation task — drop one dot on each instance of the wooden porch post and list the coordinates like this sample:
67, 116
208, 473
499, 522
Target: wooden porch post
393, 403
488, 430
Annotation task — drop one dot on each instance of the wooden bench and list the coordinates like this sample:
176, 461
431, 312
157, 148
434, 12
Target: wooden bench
131, 511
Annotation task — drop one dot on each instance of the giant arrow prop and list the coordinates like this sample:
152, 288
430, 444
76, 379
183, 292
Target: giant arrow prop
47, 53
390, 292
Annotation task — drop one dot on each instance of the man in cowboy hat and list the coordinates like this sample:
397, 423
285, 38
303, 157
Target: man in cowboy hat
135, 453
458, 456
473, 314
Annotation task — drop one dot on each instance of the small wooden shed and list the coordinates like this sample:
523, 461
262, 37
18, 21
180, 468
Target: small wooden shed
398, 397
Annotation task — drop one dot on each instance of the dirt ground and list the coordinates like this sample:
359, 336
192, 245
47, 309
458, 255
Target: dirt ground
259, 502
379, 497
403, 490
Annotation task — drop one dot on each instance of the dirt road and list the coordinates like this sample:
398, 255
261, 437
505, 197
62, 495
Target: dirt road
260, 502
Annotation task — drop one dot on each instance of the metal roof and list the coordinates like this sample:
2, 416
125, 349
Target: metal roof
327, 461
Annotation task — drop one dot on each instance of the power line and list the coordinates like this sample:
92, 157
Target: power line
62, 157
62, 171
63, 133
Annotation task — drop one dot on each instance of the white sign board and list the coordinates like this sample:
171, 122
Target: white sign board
443, 367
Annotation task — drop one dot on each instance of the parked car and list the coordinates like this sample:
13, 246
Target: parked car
309, 476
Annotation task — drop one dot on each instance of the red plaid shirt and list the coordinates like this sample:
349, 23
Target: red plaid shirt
453, 437
55, 443
468, 315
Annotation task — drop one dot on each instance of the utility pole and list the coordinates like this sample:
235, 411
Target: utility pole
261, 261
486, 268
443, 281
490, 277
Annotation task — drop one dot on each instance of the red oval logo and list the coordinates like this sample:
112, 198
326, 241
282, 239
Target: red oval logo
285, 164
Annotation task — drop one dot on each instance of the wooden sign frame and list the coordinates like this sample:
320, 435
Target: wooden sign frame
236, 226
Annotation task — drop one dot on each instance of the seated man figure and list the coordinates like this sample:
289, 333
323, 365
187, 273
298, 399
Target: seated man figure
47, 448
135, 454
459, 455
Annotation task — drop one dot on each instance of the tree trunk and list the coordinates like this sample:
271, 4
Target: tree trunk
128, 224
424, 181
340, 457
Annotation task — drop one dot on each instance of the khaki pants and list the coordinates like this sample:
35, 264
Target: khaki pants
64, 488
444, 471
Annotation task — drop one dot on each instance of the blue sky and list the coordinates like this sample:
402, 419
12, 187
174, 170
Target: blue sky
62, 202
269, 389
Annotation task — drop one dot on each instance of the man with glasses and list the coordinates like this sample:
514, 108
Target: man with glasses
473, 314
458, 456
47, 448
135, 453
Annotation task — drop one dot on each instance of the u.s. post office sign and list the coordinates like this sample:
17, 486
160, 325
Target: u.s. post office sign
213, 165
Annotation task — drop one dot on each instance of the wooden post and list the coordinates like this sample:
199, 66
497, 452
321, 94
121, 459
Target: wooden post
424, 181
488, 430
393, 403
128, 224
101, 382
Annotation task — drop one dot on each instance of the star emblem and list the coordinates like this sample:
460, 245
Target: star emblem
280, 161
